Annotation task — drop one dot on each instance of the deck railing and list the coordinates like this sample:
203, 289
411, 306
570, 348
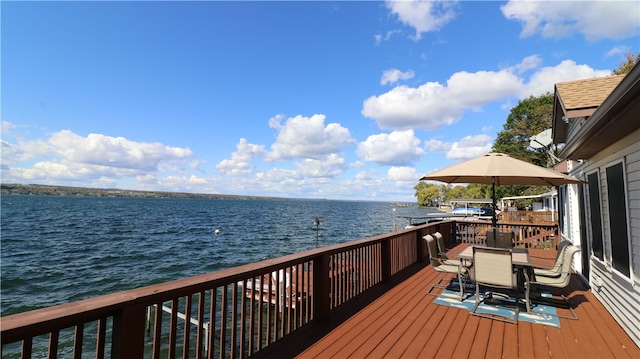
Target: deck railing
232, 313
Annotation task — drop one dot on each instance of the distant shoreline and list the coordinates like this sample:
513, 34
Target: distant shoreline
52, 190
36, 189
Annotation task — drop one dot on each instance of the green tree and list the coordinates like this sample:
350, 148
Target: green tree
426, 193
627, 64
528, 118
476, 190
455, 192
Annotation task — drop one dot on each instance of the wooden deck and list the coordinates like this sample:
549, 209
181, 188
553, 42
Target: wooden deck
405, 323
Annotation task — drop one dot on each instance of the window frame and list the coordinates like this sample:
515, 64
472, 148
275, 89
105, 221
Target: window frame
600, 218
614, 228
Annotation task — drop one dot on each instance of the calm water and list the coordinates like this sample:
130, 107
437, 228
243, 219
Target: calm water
56, 249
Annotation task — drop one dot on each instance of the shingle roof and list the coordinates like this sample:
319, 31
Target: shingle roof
587, 93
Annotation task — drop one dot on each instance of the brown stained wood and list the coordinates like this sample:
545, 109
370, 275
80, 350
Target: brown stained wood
510, 341
582, 337
53, 344
481, 340
525, 341
78, 339
456, 329
419, 313
496, 339
465, 342
200, 330
405, 322
425, 334
613, 348
556, 345
173, 328
187, 328
540, 344
439, 336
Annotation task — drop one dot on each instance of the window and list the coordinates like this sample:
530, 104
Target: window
618, 218
595, 214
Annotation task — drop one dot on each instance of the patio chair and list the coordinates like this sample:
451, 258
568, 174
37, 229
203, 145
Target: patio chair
440, 266
556, 270
442, 250
493, 268
561, 281
503, 240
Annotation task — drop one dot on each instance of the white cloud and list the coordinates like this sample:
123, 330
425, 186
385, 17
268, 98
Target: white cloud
365, 175
66, 157
397, 148
279, 176
558, 19
543, 80
307, 137
239, 164
394, 75
437, 146
618, 50
402, 174
528, 63
329, 167
6, 127
433, 105
470, 147
101, 150
423, 16
467, 148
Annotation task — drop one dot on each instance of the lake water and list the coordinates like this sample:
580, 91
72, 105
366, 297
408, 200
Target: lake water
57, 249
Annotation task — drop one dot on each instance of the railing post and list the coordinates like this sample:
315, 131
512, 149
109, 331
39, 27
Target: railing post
128, 332
321, 288
386, 259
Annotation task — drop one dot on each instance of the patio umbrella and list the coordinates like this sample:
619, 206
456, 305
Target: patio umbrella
499, 169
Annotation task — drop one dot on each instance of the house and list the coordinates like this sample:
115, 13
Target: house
598, 123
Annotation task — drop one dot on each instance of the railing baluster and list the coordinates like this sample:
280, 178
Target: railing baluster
101, 342
78, 338
27, 345
224, 302
200, 331
187, 327
212, 323
157, 330
234, 321
53, 344
260, 316
173, 328
243, 320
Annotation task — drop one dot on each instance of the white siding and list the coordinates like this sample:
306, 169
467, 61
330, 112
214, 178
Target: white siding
619, 293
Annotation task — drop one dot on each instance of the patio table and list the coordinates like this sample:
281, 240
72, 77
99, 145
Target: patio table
519, 256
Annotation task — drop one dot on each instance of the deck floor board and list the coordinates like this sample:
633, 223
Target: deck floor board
405, 322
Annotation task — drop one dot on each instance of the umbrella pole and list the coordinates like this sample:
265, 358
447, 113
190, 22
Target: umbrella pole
494, 219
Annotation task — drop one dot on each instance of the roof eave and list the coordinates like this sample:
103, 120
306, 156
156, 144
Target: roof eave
616, 115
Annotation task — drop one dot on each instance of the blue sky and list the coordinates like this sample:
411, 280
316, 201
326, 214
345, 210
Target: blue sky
336, 100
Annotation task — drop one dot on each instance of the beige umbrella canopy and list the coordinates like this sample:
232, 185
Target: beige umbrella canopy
499, 169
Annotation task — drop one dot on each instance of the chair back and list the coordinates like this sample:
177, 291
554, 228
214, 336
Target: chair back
493, 267
442, 250
562, 246
433, 250
503, 240
565, 271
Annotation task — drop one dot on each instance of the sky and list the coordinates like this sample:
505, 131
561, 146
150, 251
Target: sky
299, 99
